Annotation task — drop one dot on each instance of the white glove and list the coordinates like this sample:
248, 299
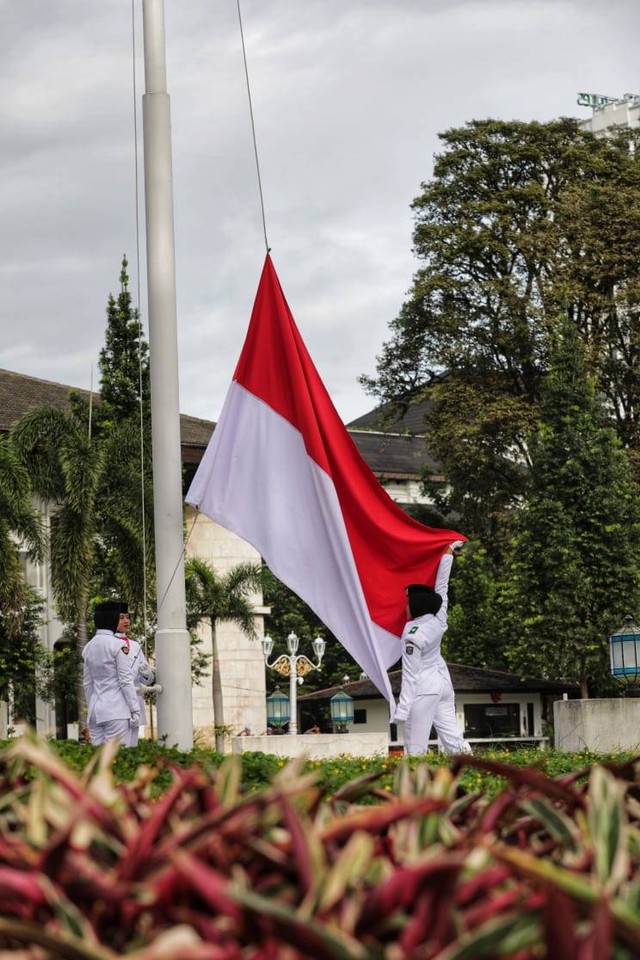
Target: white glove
146, 674
457, 545
135, 720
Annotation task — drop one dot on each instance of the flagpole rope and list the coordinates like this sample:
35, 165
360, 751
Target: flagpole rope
253, 130
140, 377
179, 560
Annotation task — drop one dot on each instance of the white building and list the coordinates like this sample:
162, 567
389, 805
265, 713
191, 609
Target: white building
492, 706
610, 112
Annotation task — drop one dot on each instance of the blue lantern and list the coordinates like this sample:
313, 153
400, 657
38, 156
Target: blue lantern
624, 647
341, 706
278, 714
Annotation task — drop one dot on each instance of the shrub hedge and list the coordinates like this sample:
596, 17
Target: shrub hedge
253, 860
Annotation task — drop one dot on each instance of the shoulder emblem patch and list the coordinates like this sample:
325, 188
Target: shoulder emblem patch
413, 630
125, 649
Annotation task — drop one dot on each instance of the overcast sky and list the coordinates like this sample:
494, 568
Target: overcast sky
349, 97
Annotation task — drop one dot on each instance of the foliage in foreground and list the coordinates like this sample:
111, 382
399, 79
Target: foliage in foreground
93, 869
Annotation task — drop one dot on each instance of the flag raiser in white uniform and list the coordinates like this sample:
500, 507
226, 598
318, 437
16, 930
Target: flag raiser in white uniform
282, 472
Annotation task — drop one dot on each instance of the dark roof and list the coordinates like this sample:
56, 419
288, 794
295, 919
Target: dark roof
389, 455
19, 393
393, 454
390, 418
194, 437
465, 680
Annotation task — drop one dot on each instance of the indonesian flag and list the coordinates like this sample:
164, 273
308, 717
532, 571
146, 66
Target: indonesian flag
282, 472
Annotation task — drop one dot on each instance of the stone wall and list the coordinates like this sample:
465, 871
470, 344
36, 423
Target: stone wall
604, 726
316, 746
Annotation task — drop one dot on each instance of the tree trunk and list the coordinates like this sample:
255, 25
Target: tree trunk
216, 688
584, 685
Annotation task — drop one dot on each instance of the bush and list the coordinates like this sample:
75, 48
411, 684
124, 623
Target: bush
213, 870
258, 769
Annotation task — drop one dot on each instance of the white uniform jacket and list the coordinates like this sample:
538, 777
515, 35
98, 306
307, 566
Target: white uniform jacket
424, 670
142, 672
108, 679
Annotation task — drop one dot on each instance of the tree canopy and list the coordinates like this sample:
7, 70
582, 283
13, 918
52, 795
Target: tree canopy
124, 359
522, 225
575, 564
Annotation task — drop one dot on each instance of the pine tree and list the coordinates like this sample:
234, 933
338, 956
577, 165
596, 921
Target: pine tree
124, 359
575, 566
123, 417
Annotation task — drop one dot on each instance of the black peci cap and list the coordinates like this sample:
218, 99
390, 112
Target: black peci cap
106, 615
423, 599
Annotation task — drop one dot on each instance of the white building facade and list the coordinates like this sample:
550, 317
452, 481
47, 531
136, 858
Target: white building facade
609, 113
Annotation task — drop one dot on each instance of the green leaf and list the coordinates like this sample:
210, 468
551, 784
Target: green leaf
607, 829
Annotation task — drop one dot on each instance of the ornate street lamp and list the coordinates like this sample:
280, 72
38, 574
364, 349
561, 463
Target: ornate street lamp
624, 647
341, 706
295, 666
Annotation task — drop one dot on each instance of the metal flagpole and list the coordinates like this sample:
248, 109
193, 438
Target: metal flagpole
175, 718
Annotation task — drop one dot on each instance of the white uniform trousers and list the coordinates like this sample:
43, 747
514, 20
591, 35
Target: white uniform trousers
438, 710
109, 730
130, 739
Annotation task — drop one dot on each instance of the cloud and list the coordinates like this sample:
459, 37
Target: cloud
348, 101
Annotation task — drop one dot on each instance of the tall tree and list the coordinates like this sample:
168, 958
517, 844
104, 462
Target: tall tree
575, 567
476, 634
217, 596
20, 528
125, 549
86, 462
25, 665
514, 231
19, 522
124, 359
124, 418
66, 464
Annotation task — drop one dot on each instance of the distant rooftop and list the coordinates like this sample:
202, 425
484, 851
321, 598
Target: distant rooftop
391, 451
389, 418
465, 679
20, 393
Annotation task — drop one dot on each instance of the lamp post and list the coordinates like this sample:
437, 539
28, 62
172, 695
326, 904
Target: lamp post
295, 666
624, 648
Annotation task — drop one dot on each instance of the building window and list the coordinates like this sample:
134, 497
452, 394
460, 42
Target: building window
531, 724
359, 715
492, 719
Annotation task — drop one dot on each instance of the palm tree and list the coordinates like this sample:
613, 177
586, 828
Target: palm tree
19, 522
19, 527
213, 596
66, 465
125, 508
